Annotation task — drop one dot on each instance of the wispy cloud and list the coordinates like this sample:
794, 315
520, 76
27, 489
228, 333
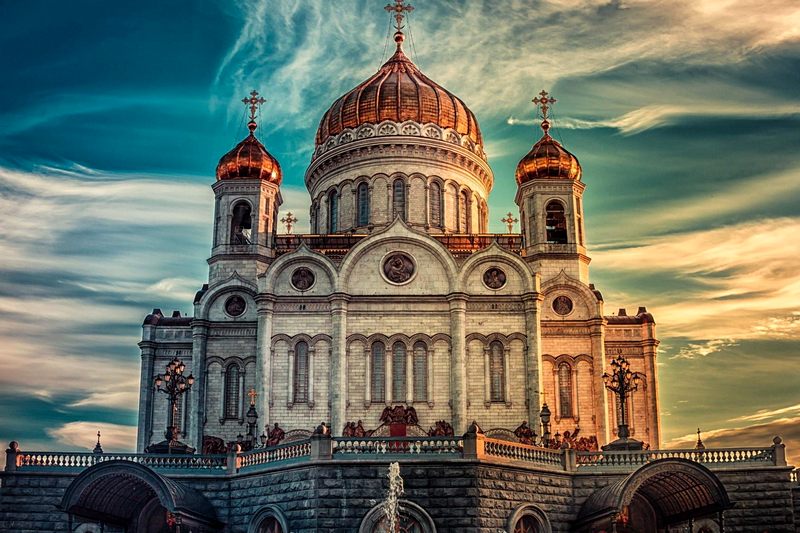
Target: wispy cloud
733, 282
83, 435
704, 349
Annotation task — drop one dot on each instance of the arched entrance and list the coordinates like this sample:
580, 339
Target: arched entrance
131, 496
660, 494
528, 518
413, 519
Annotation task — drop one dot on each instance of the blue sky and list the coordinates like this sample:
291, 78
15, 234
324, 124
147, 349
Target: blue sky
685, 116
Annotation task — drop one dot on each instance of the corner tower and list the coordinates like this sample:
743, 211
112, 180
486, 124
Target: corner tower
549, 197
246, 201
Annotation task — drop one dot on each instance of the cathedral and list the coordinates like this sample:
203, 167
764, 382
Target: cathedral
400, 330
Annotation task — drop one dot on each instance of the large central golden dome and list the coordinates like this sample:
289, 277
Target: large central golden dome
399, 91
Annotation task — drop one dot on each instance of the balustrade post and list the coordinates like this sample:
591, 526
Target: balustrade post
474, 443
11, 456
321, 447
232, 461
778, 452
569, 459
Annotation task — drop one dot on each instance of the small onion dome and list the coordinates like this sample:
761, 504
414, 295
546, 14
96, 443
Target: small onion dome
249, 160
548, 160
399, 91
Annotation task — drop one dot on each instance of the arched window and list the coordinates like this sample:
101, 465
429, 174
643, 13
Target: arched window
420, 372
270, 525
362, 198
463, 213
232, 376
241, 224
527, 524
399, 199
497, 377
300, 372
378, 368
269, 519
565, 390
556, 223
436, 204
399, 372
333, 212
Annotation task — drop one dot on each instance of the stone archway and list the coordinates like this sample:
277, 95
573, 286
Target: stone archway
528, 518
660, 494
134, 497
413, 519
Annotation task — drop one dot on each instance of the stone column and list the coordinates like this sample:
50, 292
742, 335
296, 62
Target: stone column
148, 349
533, 352
597, 329
338, 383
651, 390
265, 304
197, 403
458, 360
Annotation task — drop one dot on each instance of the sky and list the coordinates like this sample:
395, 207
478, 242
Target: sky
685, 116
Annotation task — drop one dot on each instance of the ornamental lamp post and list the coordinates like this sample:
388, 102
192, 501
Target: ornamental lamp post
544, 414
174, 384
622, 382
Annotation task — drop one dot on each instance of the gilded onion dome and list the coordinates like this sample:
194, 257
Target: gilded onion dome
249, 160
399, 91
547, 159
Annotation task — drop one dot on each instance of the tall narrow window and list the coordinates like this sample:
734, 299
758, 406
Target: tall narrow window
420, 372
565, 390
333, 212
378, 372
497, 377
301, 372
232, 392
463, 212
362, 194
436, 204
556, 223
399, 372
579, 220
399, 199
241, 225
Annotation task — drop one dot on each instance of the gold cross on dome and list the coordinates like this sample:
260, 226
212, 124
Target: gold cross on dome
509, 221
253, 103
399, 8
252, 395
544, 102
289, 221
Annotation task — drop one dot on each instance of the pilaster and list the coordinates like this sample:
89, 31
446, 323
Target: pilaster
458, 367
197, 414
338, 383
148, 349
597, 333
265, 306
533, 352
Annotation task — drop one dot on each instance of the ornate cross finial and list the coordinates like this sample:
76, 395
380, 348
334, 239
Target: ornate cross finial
252, 394
509, 221
254, 102
399, 8
97, 447
544, 101
289, 221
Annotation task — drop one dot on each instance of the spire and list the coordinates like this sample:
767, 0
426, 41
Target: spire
543, 102
97, 447
699, 445
399, 8
254, 102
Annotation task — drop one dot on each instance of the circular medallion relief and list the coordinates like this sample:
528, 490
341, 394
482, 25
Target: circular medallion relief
235, 305
494, 278
303, 279
398, 268
562, 305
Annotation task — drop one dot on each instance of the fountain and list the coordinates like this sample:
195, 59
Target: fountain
391, 506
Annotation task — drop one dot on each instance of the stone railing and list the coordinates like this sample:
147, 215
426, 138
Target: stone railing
281, 453
348, 446
522, 452
63, 460
473, 446
710, 457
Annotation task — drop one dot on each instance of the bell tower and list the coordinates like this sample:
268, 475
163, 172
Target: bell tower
246, 202
549, 196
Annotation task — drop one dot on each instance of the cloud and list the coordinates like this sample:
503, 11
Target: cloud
86, 254
704, 349
305, 56
769, 414
83, 435
734, 282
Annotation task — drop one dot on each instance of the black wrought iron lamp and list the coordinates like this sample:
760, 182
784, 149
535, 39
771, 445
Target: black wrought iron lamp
622, 382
